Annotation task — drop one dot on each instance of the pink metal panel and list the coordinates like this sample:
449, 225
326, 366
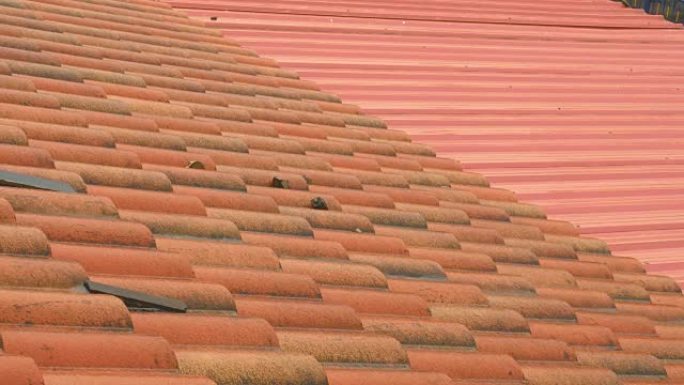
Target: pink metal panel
577, 106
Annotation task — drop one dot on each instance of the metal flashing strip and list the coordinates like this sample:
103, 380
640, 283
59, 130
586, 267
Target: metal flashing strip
136, 300
13, 179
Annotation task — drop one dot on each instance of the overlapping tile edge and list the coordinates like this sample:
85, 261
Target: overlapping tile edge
312, 244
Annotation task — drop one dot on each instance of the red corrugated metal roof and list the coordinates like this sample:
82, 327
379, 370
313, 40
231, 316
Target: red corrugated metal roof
576, 106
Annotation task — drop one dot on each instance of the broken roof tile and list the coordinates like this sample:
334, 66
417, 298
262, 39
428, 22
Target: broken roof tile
195, 294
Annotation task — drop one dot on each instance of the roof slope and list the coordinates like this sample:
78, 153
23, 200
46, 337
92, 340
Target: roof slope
311, 243
575, 106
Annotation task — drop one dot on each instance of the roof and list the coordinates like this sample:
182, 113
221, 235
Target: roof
311, 243
575, 106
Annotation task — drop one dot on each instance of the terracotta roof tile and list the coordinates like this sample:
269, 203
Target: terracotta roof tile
143, 138
577, 268
20, 370
182, 225
618, 323
40, 272
623, 363
388, 217
661, 348
578, 298
400, 266
482, 318
448, 195
87, 350
68, 134
454, 259
620, 291
466, 233
375, 177
13, 135
201, 329
265, 222
614, 263
344, 347
62, 309
326, 178
7, 212
195, 294
86, 154
526, 348
649, 282
235, 159
660, 313
328, 219
260, 282
539, 375
219, 253
440, 292
542, 248
534, 307
363, 242
29, 99
55, 203
494, 282
336, 272
25, 156
353, 197
539, 276
346, 161
420, 238
376, 302
476, 211
257, 367
403, 195
501, 253
435, 214
574, 334
164, 202
294, 246
123, 261
88, 230
118, 176
337, 376
471, 366
298, 313
420, 331
215, 198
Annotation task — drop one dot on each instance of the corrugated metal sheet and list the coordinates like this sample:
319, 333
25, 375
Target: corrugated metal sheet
577, 106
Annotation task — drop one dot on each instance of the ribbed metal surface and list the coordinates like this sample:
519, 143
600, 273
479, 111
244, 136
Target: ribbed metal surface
577, 105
